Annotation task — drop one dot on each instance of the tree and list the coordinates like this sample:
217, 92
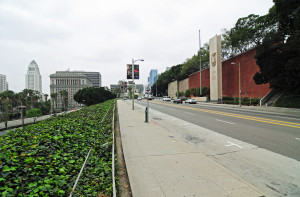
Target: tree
92, 95
34, 113
54, 99
64, 95
46, 97
247, 33
279, 54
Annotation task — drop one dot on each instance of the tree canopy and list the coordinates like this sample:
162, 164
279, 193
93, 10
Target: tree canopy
279, 54
93, 95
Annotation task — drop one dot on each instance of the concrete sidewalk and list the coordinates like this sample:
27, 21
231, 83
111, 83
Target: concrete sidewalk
160, 164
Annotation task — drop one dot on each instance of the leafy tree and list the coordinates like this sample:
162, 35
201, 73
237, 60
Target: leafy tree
7, 102
34, 113
279, 54
247, 33
92, 95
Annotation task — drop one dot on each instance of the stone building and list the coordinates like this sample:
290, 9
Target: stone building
71, 82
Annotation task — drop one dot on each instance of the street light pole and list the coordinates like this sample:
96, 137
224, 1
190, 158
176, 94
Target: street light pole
200, 63
132, 73
240, 101
132, 89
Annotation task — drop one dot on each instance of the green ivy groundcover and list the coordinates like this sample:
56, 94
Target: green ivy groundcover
45, 159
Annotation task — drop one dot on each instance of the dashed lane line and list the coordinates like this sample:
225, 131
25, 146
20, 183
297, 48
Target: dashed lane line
264, 120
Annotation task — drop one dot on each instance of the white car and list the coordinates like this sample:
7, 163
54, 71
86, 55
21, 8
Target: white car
166, 98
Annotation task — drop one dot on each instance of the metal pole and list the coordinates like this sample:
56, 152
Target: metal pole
156, 88
200, 63
240, 84
132, 84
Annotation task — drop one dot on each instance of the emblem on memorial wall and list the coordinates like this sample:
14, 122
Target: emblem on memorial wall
213, 59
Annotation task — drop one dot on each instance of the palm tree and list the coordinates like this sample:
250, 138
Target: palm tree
64, 95
46, 97
54, 98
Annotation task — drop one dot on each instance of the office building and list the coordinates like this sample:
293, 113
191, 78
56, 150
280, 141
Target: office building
33, 78
152, 77
71, 82
3, 83
95, 77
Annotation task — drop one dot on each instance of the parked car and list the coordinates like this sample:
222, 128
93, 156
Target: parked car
166, 98
139, 98
191, 101
177, 101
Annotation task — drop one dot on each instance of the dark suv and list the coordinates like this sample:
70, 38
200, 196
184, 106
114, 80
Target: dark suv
177, 101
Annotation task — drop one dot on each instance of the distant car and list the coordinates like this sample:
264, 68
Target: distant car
150, 97
177, 101
53, 114
139, 98
124, 98
166, 98
191, 101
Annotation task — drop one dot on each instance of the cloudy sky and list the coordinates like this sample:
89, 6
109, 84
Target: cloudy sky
104, 35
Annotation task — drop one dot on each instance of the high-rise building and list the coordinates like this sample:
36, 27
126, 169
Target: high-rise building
95, 77
3, 83
33, 78
71, 82
152, 77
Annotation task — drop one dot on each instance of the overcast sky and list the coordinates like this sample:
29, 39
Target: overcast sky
104, 35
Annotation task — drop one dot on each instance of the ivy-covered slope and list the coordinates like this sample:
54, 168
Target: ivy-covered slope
45, 159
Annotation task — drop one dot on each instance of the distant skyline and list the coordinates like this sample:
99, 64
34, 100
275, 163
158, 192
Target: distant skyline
104, 36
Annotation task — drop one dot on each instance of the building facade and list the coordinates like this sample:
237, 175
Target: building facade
71, 82
152, 77
3, 83
95, 77
33, 78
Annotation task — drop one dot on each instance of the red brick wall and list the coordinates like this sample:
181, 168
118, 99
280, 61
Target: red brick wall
194, 81
230, 77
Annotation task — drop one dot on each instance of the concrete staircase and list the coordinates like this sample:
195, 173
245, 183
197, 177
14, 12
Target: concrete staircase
271, 98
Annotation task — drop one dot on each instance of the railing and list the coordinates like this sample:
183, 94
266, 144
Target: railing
265, 99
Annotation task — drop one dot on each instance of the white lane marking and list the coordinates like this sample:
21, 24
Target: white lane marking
173, 141
173, 119
189, 113
297, 138
183, 124
225, 121
232, 144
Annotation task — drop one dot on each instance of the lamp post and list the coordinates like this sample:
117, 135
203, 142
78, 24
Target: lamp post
240, 103
132, 73
200, 64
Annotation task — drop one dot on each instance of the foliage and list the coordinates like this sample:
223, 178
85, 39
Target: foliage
196, 92
187, 93
33, 113
290, 100
244, 101
279, 54
92, 95
247, 33
44, 159
181, 71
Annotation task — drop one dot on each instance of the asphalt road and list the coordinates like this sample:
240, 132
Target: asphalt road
276, 132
